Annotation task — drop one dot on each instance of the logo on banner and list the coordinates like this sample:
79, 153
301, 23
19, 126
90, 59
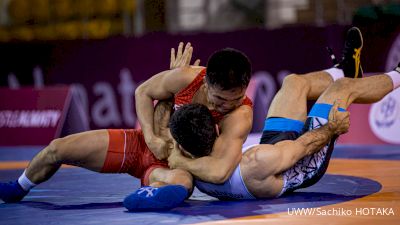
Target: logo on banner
384, 116
29, 118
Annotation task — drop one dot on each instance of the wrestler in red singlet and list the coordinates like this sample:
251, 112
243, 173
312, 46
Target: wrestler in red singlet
127, 150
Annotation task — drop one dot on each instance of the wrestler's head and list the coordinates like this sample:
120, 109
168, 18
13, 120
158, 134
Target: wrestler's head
193, 128
227, 77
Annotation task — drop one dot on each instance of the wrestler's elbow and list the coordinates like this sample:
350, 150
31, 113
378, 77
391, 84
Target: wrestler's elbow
216, 178
140, 91
290, 157
220, 175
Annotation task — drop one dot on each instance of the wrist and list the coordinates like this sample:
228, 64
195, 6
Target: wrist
332, 128
183, 163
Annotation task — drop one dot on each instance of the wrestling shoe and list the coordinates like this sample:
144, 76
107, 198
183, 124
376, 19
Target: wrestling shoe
350, 62
12, 192
152, 199
332, 55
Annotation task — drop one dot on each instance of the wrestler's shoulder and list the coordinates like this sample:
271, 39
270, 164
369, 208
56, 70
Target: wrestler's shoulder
179, 78
242, 114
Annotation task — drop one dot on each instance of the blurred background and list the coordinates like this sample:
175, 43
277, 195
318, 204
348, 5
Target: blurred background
45, 20
101, 50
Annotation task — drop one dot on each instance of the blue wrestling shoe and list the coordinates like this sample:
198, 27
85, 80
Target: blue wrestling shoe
152, 199
12, 192
351, 62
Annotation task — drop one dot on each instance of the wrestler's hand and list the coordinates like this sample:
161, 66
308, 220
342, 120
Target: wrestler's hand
159, 147
339, 122
182, 59
175, 158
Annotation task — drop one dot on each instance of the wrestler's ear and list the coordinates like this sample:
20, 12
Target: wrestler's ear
177, 146
187, 154
217, 129
180, 147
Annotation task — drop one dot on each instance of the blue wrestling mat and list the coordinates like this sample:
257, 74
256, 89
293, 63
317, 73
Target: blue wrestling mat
77, 196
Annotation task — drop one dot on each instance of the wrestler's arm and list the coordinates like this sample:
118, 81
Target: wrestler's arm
159, 87
162, 114
285, 154
227, 150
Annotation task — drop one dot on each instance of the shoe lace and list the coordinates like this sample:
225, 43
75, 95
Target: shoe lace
356, 57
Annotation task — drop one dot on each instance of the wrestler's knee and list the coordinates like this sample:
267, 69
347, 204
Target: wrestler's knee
51, 150
342, 87
182, 177
343, 83
295, 82
56, 150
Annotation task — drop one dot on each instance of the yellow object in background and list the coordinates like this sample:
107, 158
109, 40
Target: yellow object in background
19, 11
44, 20
62, 9
40, 10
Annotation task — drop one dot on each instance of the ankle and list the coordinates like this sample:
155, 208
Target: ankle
335, 73
395, 76
25, 183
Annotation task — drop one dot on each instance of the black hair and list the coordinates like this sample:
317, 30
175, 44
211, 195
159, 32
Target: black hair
228, 68
193, 127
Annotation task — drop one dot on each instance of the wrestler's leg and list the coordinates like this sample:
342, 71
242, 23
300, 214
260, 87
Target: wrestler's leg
365, 90
168, 189
87, 150
164, 176
291, 100
349, 66
285, 121
310, 169
318, 81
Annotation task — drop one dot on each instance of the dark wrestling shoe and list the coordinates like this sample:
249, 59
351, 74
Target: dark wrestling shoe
12, 192
332, 56
350, 62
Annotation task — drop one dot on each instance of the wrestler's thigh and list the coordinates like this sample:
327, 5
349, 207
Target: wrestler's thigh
291, 100
86, 149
